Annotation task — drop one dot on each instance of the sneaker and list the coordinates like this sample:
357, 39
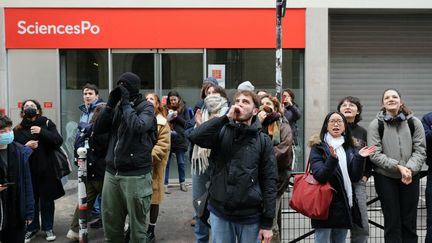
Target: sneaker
166, 190
193, 222
72, 235
97, 224
50, 235
151, 238
183, 187
29, 236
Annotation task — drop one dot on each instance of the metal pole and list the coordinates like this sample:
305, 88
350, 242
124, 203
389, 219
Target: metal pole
82, 193
280, 12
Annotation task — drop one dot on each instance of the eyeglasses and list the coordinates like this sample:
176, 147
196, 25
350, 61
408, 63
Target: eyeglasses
333, 122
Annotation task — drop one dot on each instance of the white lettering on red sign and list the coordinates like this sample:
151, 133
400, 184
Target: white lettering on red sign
52, 29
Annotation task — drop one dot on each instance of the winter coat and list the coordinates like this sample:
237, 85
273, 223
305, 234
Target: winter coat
359, 135
427, 125
284, 155
131, 130
97, 151
160, 155
46, 185
243, 178
293, 114
87, 111
397, 146
325, 168
178, 126
16, 209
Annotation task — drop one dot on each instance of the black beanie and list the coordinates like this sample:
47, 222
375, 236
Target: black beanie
132, 82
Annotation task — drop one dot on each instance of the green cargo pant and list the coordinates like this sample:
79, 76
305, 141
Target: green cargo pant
126, 195
93, 188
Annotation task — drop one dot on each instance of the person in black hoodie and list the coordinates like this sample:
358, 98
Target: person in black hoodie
40, 134
178, 117
351, 108
16, 191
127, 189
96, 152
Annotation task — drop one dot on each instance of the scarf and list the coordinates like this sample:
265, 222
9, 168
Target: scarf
215, 106
337, 143
273, 123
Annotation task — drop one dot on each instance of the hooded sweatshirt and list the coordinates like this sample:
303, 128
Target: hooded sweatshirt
398, 146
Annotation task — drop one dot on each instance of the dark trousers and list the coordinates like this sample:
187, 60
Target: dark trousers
46, 209
429, 208
399, 206
12, 235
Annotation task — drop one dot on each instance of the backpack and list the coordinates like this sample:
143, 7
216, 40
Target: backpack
381, 127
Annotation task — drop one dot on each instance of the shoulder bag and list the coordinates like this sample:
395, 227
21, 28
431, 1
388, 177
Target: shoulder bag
311, 198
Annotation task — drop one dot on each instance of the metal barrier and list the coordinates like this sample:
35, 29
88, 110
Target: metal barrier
297, 228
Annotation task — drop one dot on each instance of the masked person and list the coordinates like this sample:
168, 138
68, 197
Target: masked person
40, 134
127, 184
16, 191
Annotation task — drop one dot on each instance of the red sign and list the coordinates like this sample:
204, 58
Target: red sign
48, 104
151, 28
2, 111
217, 73
20, 105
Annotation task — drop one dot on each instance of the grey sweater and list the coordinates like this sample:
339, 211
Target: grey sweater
397, 146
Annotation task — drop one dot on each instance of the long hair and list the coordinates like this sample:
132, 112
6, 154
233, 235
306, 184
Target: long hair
181, 105
346, 134
355, 101
158, 107
96, 113
275, 102
38, 107
403, 107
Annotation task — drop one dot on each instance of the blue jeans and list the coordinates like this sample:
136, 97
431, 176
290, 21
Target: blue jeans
180, 155
226, 232
359, 234
327, 235
47, 215
429, 208
96, 211
202, 231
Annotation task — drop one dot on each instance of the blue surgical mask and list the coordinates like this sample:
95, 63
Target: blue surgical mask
6, 138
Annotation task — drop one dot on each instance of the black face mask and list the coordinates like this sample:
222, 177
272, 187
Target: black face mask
30, 112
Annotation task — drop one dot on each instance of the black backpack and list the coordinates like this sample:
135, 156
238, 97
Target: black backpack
381, 127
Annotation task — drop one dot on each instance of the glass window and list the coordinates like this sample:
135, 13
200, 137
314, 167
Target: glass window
78, 67
183, 72
258, 67
142, 64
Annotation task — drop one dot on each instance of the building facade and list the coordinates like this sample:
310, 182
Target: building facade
330, 49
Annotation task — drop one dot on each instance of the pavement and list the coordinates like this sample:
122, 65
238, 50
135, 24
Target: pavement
173, 225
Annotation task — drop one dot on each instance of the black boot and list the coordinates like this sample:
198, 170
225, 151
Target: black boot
150, 234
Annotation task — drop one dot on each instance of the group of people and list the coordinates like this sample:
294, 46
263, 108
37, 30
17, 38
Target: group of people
241, 155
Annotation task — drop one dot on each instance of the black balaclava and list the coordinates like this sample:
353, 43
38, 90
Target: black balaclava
131, 82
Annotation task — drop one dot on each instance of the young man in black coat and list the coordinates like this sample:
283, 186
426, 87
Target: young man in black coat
127, 184
242, 193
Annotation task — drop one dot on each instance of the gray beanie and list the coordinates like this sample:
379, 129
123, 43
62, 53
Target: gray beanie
246, 85
212, 80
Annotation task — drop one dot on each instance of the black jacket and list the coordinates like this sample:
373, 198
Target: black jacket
178, 126
130, 144
293, 114
243, 179
325, 168
44, 179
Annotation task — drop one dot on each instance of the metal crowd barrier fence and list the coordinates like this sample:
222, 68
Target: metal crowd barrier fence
297, 228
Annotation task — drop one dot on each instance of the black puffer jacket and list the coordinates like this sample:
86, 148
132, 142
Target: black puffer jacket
243, 181
130, 144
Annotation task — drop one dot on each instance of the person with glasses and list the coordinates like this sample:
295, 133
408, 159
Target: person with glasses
401, 152
334, 159
351, 108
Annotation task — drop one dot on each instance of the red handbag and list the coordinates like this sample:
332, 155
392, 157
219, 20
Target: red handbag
311, 198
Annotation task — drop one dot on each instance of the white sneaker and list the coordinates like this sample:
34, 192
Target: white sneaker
50, 235
72, 235
29, 236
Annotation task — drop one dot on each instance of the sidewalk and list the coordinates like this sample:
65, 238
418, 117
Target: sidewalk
173, 225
